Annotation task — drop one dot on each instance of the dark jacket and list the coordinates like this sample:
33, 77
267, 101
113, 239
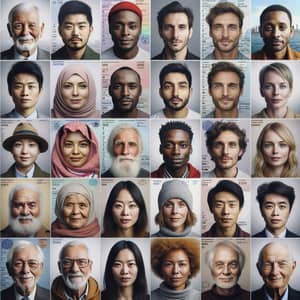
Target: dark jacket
41, 293
142, 173
10, 54
262, 54
38, 172
63, 54
260, 294
212, 232
288, 234
240, 294
189, 55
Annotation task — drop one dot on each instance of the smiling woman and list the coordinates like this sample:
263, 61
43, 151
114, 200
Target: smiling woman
75, 94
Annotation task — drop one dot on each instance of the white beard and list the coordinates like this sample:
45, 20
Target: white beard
74, 286
25, 229
125, 166
25, 47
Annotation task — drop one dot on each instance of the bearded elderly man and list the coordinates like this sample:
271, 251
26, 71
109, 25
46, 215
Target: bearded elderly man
75, 281
25, 264
25, 212
226, 261
125, 148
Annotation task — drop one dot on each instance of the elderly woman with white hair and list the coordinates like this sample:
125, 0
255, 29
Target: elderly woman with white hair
75, 213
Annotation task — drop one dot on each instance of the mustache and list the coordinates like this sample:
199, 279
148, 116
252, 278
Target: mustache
27, 37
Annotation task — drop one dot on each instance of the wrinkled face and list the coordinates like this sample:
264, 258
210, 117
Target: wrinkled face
175, 212
275, 211
176, 269
225, 268
126, 143
225, 32
274, 150
176, 148
75, 31
25, 152
125, 90
175, 32
26, 30
226, 210
75, 92
125, 210
76, 149
125, 269
25, 92
26, 269
125, 29
276, 91
225, 90
76, 210
75, 267
175, 91
276, 30
277, 267
226, 150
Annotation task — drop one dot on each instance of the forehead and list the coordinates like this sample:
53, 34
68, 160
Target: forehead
125, 255
26, 15
24, 77
226, 76
74, 136
75, 18
272, 136
125, 76
125, 16
175, 77
127, 134
276, 251
27, 194
26, 252
225, 253
273, 76
176, 18
176, 135
25, 140
276, 17
275, 198
76, 251
225, 196
226, 18
227, 136
176, 254
76, 198
124, 196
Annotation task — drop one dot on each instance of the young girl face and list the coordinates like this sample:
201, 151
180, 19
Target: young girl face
124, 268
75, 92
76, 149
125, 210
275, 150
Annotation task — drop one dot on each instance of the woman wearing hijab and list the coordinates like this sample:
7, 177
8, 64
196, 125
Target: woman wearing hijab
75, 213
75, 94
75, 152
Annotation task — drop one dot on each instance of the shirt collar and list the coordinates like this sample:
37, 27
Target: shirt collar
30, 117
30, 297
28, 174
33, 56
285, 296
271, 235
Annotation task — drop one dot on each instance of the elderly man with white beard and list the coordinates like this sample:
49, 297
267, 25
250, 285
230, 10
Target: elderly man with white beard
75, 281
125, 148
225, 261
25, 212
25, 263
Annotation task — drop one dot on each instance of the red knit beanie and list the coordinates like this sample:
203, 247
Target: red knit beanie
125, 5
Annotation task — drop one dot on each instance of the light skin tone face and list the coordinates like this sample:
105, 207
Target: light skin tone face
75, 32
76, 210
275, 152
226, 210
75, 92
175, 212
225, 153
276, 31
225, 33
276, 268
276, 91
175, 92
26, 269
25, 92
76, 149
225, 92
125, 212
125, 90
176, 34
125, 29
25, 204
126, 143
275, 211
225, 269
26, 31
125, 269
176, 269
176, 149
25, 153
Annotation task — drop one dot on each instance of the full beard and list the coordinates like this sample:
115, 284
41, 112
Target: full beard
74, 286
125, 166
25, 229
25, 47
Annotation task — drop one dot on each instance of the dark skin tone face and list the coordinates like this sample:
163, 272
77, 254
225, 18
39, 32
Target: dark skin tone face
176, 149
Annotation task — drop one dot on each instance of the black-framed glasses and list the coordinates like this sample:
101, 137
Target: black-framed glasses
81, 262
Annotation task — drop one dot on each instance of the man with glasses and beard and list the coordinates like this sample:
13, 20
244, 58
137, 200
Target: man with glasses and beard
25, 212
125, 148
75, 281
25, 264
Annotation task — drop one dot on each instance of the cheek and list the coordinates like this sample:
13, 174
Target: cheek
66, 152
35, 212
67, 212
15, 212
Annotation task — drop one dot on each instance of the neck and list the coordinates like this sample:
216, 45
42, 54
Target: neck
126, 232
278, 54
178, 229
178, 173
76, 54
234, 113
180, 55
233, 54
276, 232
228, 173
22, 292
273, 172
75, 295
126, 54
277, 113
25, 112
226, 232
25, 53
130, 114
277, 293
170, 113
125, 293
24, 170
226, 292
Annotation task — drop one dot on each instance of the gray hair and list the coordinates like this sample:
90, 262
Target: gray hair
117, 129
20, 186
72, 244
20, 244
228, 244
22, 7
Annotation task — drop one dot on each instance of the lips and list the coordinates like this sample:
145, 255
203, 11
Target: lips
125, 221
276, 43
226, 220
75, 159
275, 221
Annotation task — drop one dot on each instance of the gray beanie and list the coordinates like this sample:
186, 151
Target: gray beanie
175, 189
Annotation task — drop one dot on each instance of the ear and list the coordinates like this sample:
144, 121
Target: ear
258, 269
191, 32
91, 28
191, 93
160, 92
191, 149
261, 92
59, 267
160, 148
9, 31
260, 31
42, 28
9, 269
141, 90
59, 30
292, 31
109, 90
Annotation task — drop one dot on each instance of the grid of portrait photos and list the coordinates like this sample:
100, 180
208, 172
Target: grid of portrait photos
149, 149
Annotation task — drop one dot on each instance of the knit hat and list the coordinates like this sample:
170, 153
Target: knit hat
125, 5
175, 189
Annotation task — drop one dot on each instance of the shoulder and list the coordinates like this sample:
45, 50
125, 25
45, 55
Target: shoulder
258, 294
107, 174
7, 232
158, 173
158, 114
60, 54
291, 234
42, 232
293, 294
142, 54
10, 172
194, 173
193, 115
38, 172
109, 54
42, 293
210, 56
258, 55
241, 56
143, 173
142, 114
260, 114
192, 56
159, 56
242, 174
260, 234
9, 114
8, 54
90, 54
43, 54
8, 293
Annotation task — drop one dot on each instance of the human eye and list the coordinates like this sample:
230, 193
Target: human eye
32, 205
132, 86
18, 264
183, 145
183, 85
233, 86
83, 85
82, 26
132, 144
283, 264
132, 206
83, 205
283, 86
218, 204
217, 26
268, 206
268, 28
233, 265
182, 26
168, 145
232, 144
217, 145
167, 27
217, 85
33, 264
68, 204
17, 144
182, 204
67, 263
167, 86
32, 144
219, 265
132, 26
116, 26
18, 26
68, 26
267, 145
283, 145
32, 26
67, 85
267, 86
68, 144
132, 264
84, 144
232, 204
282, 206
118, 205
233, 27
168, 204
167, 264
283, 26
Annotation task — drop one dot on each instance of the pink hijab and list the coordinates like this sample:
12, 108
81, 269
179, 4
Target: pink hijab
60, 168
60, 110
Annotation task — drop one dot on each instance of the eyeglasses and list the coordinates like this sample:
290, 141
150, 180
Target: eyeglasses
32, 264
81, 262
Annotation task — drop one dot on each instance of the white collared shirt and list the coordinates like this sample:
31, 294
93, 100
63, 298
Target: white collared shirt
32, 116
271, 235
27, 175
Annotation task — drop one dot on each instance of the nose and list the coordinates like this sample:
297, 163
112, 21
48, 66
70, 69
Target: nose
25, 29
175, 268
75, 30
75, 149
125, 149
75, 90
25, 90
175, 90
75, 209
225, 32
24, 148
225, 90
125, 30
174, 209
75, 267
225, 209
275, 268
125, 90
176, 149
25, 210
225, 148
276, 90
25, 268
226, 269
275, 211
125, 211
275, 148
124, 269
276, 32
